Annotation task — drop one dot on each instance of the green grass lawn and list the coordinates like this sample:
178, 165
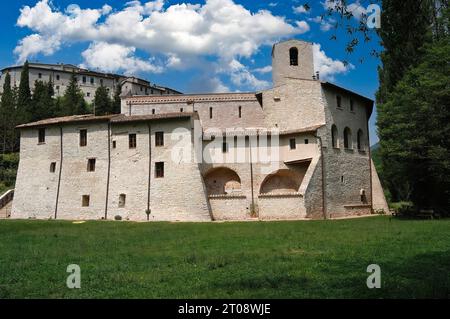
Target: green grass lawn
312, 259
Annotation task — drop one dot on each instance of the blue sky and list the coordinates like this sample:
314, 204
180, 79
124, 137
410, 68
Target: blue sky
192, 46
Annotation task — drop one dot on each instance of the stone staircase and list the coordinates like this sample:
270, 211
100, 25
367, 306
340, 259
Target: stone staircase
6, 204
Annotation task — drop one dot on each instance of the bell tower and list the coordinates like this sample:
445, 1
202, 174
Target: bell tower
292, 59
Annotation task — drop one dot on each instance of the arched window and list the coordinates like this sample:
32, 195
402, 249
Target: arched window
334, 136
293, 55
360, 140
347, 138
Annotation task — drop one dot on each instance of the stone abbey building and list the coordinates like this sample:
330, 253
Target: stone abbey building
297, 151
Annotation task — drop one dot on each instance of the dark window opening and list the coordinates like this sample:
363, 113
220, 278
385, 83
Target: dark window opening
84, 79
293, 55
85, 200
159, 169
360, 140
225, 147
210, 113
114, 144
132, 140
347, 138
83, 137
159, 138
153, 111
92, 80
57, 77
40, 75
41, 138
181, 110
306, 141
339, 101
122, 200
52, 167
334, 134
91, 165
240, 111
292, 144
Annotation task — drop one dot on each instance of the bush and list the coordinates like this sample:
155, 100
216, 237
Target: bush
403, 208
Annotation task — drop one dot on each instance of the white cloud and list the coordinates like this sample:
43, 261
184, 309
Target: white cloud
300, 9
273, 4
325, 24
218, 28
115, 57
34, 44
263, 70
328, 67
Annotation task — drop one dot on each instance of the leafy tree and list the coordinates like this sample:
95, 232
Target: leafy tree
415, 133
102, 102
24, 106
73, 102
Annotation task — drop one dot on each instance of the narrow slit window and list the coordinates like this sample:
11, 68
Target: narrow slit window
122, 200
52, 167
159, 139
41, 137
293, 55
210, 113
91, 165
83, 137
132, 140
240, 111
114, 144
225, 147
159, 169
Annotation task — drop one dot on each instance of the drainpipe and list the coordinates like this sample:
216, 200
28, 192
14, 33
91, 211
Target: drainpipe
109, 170
252, 211
149, 168
60, 170
324, 209
370, 168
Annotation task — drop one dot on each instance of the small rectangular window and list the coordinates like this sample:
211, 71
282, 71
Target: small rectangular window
159, 169
292, 144
240, 111
41, 138
306, 141
40, 75
210, 113
132, 140
84, 79
83, 137
114, 144
91, 165
351, 105
52, 167
85, 199
92, 80
88, 94
122, 200
181, 110
57, 77
153, 111
159, 139
339, 101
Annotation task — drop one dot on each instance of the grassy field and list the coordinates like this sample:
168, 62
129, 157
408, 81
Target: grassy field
316, 259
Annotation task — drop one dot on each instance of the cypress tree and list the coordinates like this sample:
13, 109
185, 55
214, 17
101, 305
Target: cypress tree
73, 102
24, 105
7, 120
116, 103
